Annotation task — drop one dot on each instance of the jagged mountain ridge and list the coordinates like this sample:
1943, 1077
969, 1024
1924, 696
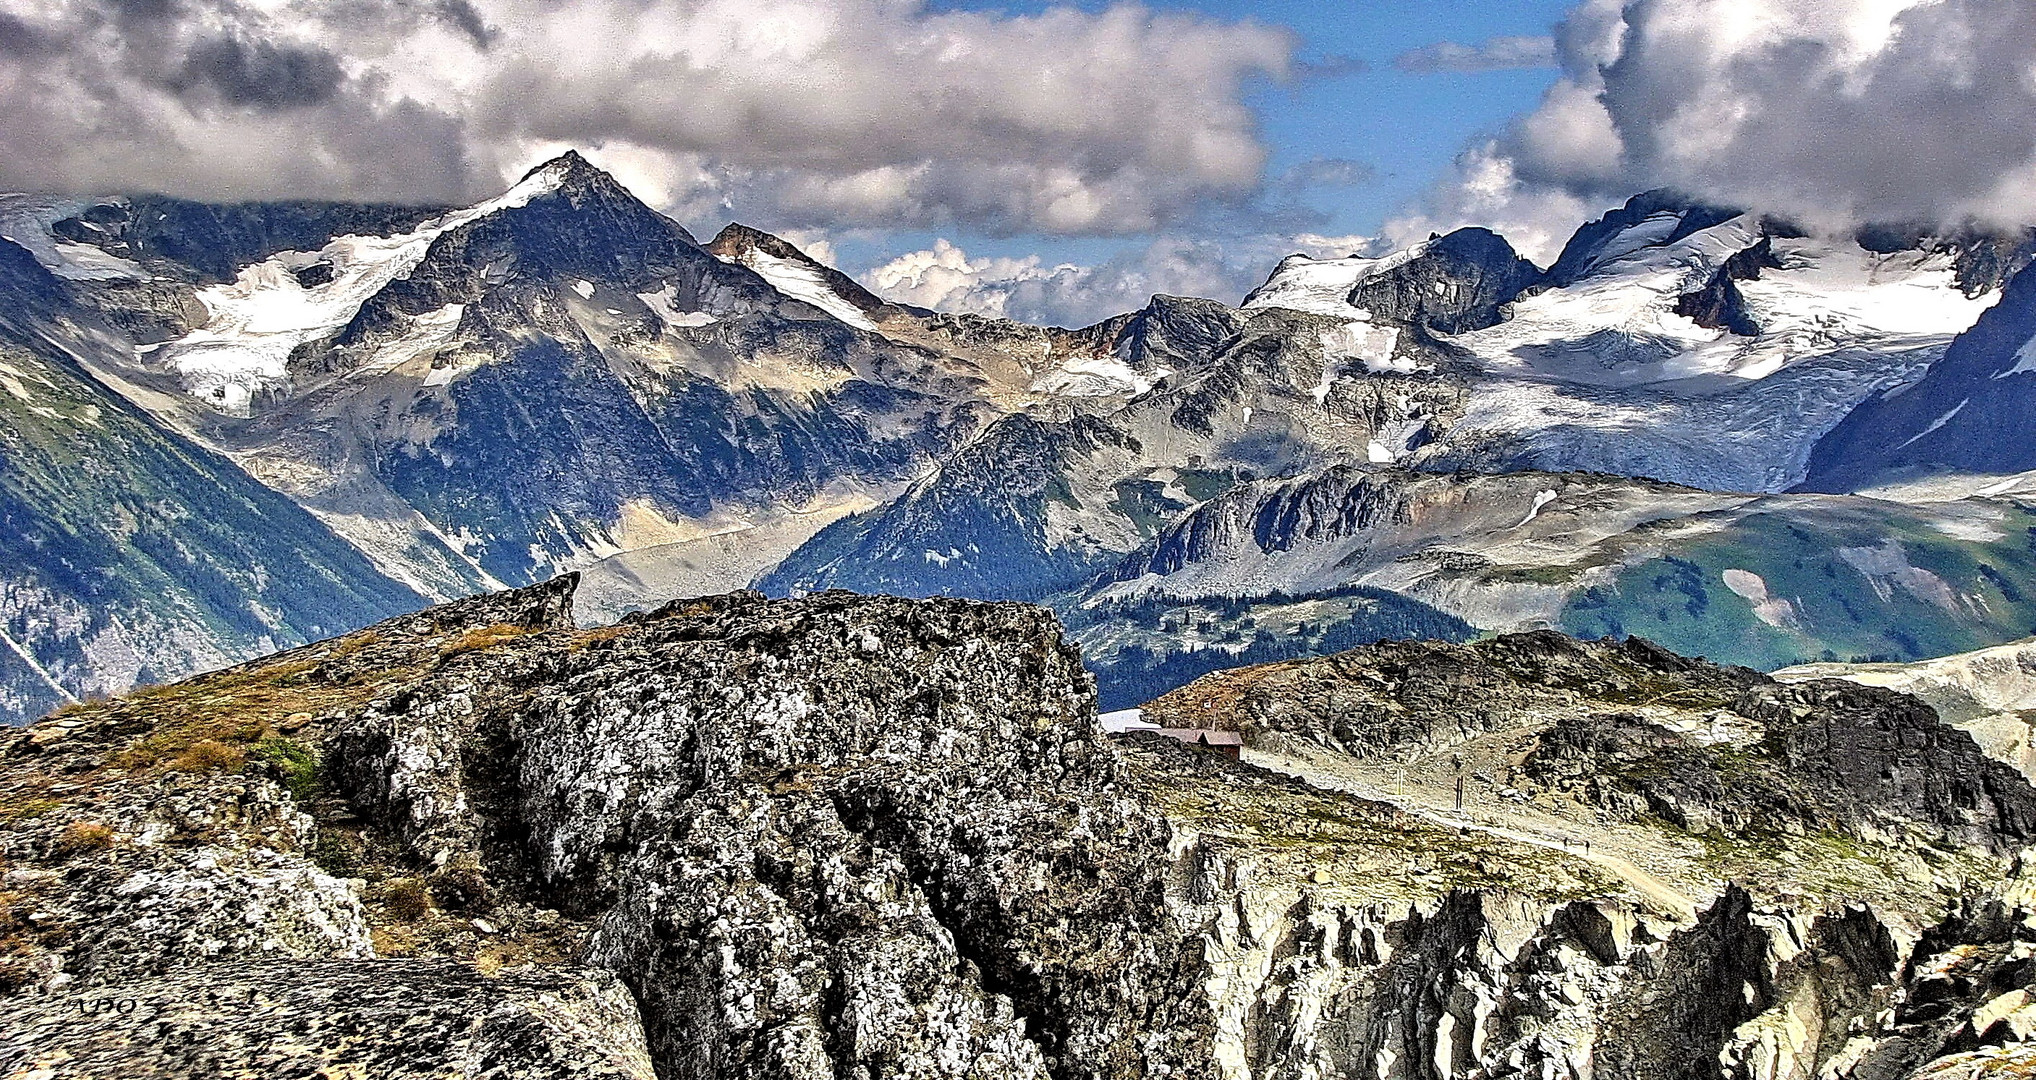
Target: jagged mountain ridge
1671, 340
554, 378
561, 378
566, 298
889, 838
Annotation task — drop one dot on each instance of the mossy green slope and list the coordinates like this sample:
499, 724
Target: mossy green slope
1826, 581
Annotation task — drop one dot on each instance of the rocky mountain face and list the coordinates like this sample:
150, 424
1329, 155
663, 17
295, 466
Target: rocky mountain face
1665, 772
561, 379
736, 837
1457, 283
548, 379
1232, 395
1671, 342
1950, 419
1990, 694
466, 397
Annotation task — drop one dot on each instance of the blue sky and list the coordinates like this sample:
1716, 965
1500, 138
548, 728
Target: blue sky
1407, 127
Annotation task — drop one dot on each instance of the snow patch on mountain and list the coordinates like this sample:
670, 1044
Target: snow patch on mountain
805, 284
1830, 287
13, 380
428, 335
1323, 286
2025, 361
1617, 326
1541, 499
1373, 346
1772, 610
1604, 375
664, 304
256, 321
1938, 424
27, 219
1097, 377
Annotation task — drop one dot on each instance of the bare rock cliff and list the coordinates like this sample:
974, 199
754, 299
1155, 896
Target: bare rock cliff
862, 837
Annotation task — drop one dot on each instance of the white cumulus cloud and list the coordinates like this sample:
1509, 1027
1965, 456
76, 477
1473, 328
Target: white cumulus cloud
835, 113
1829, 112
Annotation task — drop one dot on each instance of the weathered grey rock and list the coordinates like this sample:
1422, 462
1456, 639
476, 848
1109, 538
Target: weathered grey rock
867, 837
388, 1018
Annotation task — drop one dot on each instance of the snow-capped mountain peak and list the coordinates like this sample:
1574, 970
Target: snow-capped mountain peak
255, 323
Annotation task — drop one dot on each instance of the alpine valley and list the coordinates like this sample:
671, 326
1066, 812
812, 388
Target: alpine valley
232, 429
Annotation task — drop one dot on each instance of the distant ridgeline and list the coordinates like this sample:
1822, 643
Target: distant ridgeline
229, 429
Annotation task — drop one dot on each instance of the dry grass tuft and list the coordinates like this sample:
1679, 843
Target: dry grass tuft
238, 710
354, 643
486, 637
595, 637
208, 755
82, 836
14, 810
75, 708
16, 944
408, 900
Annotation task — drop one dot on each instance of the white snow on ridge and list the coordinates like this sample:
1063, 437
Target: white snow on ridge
26, 220
1833, 286
1604, 376
1650, 232
428, 335
803, 283
1321, 286
257, 320
1618, 327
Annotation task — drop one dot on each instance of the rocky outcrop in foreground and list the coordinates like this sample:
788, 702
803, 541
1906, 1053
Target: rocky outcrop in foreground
864, 837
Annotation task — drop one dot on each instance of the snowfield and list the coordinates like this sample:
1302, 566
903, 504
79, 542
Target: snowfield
803, 283
260, 318
1605, 376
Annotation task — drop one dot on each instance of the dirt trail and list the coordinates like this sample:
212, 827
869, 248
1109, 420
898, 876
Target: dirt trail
1660, 892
